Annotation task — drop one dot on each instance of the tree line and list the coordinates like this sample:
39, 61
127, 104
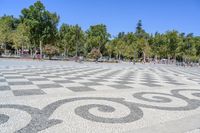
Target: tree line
36, 30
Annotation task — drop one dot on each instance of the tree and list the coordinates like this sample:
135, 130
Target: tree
21, 37
110, 48
190, 48
42, 23
65, 35
78, 39
97, 37
7, 24
172, 42
119, 48
144, 48
157, 44
197, 46
131, 48
142, 40
140, 32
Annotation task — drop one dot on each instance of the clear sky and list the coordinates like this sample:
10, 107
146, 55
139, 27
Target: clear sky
120, 15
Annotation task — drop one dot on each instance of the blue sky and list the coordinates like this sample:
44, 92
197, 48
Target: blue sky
120, 15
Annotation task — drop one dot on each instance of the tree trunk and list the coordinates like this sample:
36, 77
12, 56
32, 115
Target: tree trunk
168, 60
156, 58
144, 56
5, 50
134, 54
34, 49
175, 60
99, 47
41, 50
76, 49
15, 51
31, 50
64, 53
22, 49
67, 53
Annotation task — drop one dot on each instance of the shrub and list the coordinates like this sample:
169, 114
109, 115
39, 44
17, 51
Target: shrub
50, 50
94, 54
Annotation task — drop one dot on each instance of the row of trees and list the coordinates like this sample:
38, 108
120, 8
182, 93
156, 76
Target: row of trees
36, 29
170, 45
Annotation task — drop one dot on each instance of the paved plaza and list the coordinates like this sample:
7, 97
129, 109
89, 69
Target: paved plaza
70, 97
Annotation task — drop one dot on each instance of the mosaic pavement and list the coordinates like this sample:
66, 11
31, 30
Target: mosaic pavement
87, 98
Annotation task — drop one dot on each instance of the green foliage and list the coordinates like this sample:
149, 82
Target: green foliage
7, 25
71, 39
97, 36
65, 36
110, 48
78, 39
21, 37
42, 23
140, 32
